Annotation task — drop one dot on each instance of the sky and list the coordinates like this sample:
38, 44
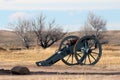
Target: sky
69, 14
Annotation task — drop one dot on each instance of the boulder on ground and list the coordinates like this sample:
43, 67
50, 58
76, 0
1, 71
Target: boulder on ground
20, 70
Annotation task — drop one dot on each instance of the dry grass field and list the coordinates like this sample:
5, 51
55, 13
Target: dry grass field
108, 68
110, 61
110, 56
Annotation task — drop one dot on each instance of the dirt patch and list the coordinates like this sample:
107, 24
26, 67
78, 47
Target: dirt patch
62, 72
56, 70
8, 72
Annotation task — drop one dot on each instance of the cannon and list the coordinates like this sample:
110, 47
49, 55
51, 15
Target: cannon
76, 51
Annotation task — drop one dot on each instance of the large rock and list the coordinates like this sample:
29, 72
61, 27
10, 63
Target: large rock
20, 70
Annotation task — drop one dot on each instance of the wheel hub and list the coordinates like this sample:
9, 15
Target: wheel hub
88, 51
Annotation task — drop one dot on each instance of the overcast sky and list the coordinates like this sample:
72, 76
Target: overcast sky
70, 14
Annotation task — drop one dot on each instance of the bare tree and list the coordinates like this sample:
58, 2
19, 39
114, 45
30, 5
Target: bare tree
23, 29
47, 35
95, 25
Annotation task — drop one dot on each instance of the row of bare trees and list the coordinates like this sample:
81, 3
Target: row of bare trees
46, 34
30, 30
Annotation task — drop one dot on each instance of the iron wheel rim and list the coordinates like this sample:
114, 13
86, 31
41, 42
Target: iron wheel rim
70, 58
88, 58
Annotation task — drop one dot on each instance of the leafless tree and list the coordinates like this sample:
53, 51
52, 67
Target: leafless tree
47, 34
95, 25
22, 28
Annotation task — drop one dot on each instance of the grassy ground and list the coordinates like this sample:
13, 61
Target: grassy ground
110, 60
110, 56
61, 77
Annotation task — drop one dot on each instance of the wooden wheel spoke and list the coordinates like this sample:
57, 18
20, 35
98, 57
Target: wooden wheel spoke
72, 58
89, 59
68, 57
92, 56
84, 60
79, 55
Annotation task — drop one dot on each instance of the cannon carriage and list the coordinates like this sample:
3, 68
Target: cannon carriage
76, 51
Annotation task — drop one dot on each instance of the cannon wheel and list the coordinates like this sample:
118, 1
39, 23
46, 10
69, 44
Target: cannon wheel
88, 50
70, 58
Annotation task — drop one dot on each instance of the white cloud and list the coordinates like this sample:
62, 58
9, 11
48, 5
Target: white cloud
58, 4
18, 15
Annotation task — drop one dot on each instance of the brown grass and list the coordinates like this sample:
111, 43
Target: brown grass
110, 56
61, 77
25, 56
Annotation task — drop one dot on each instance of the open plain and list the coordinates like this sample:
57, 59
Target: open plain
108, 68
